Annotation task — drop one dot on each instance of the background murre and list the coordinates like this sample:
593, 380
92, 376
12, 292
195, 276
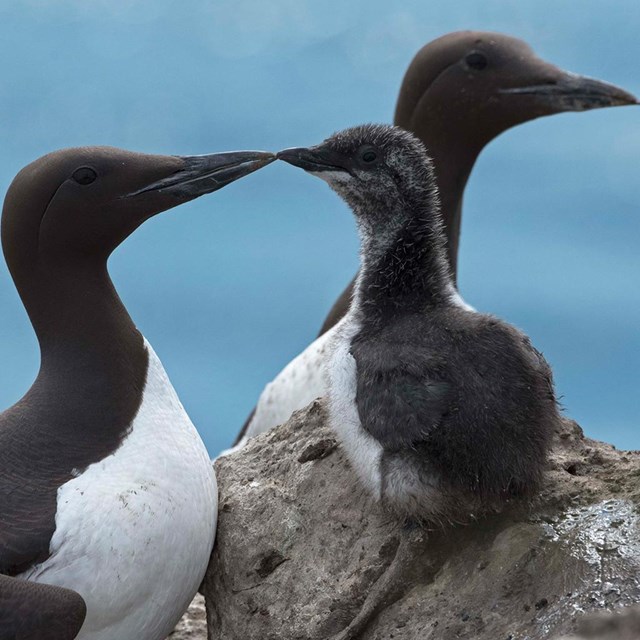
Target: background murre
106, 487
460, 92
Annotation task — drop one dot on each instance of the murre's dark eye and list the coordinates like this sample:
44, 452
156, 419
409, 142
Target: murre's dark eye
84, 175
368, 155
476, 60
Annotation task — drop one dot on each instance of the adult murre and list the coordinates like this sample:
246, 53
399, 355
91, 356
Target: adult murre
443, 412
460, 92
106, 487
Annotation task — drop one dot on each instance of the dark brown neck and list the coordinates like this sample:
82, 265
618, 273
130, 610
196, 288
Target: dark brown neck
92, 355
453, 165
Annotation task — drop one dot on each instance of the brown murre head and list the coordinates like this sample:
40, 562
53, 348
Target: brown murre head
485, 83
465, 88
76, 206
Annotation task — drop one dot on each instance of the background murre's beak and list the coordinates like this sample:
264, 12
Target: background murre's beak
571, 92
205, 174
314, 159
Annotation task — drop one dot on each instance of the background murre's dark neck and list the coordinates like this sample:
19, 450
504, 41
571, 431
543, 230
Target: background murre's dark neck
404, 270
452, 169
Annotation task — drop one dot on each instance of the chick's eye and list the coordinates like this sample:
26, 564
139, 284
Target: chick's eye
476, 60
368, 156
84, 175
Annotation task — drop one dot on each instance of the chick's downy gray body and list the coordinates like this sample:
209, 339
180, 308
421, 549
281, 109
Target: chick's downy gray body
461, 406
443, 411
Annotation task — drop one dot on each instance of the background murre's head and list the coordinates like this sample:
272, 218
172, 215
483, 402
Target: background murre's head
382, 172
487, 82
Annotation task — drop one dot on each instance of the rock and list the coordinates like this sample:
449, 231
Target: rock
300, 544
193, 624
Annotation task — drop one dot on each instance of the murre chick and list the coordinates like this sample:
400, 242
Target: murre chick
460, 92
441, 409
107, 495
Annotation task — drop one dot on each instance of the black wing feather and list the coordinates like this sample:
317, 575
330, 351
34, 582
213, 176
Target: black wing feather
400, 401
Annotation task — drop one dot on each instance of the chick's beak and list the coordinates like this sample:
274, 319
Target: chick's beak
315, 159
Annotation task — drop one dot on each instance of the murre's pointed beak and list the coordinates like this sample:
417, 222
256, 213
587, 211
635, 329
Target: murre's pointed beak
571, 92
315, 159
205, 174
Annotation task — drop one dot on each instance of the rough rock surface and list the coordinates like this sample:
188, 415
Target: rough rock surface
299, 545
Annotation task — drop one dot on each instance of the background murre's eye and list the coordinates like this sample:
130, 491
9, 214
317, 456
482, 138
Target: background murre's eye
367, 154
476, 60
84, 175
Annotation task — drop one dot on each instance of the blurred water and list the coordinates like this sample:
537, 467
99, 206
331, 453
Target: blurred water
230, 287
